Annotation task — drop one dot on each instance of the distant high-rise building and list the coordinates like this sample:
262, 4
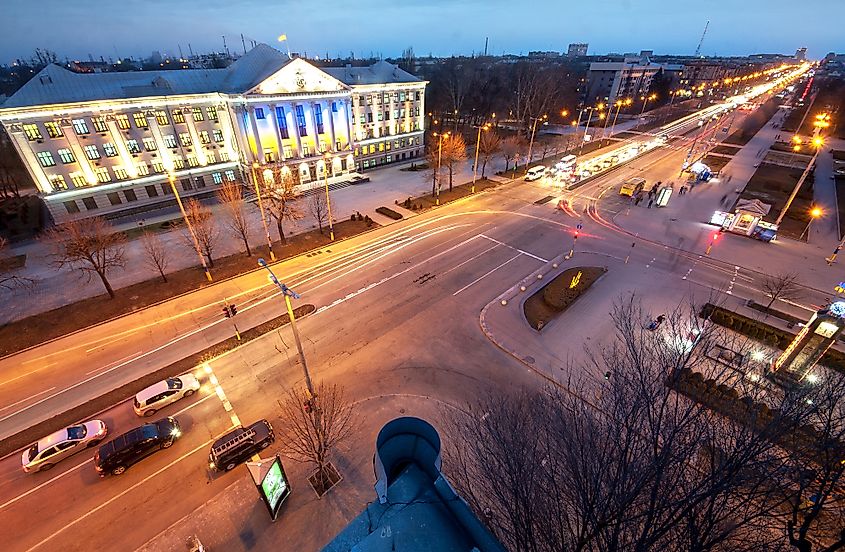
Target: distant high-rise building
577, 49
801, 54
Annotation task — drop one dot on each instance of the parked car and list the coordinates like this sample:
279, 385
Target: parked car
133, 446
632, 186
239, 445
157, 396
44, 454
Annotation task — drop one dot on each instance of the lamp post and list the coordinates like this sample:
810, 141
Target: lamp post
172, 179
261, 208
618, 104
531, 143
818, 142
326, 158
437, 174
287, 293
586, 128
815, 213
485, 127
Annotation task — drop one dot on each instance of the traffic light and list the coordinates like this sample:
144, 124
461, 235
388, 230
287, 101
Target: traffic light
233, 309
229, 310
715, 236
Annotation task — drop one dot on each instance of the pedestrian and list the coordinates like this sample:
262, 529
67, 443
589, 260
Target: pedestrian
683, 190
729, 177
650, 203
639, 199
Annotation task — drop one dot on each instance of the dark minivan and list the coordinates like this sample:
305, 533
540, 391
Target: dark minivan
120, 453
238, 445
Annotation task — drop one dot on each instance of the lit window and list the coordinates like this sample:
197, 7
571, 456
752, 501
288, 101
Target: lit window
197, 112
122, 121
210, 158
230, 176
170, 141
66, 155
45, 158
185, 138
318, 116
80, 126
150, 144
143, 170
224, 156
282, 122
32, 132
179, 163
57, 181
120, 173
192, 161
401, 96
300, 120
78, 180
363, 119
91, 152
103, 175
110, 150
53, 129
132, 146
161, 117
334, 107
99, 124
177, 116
380, 116
217, 178
140, 120
259, 112
212, 113
218, 135
158, 167
204, 138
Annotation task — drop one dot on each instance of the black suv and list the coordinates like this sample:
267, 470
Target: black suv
120, 453
238, 445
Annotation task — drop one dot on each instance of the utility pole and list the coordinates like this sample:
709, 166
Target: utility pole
484, 127
531, 143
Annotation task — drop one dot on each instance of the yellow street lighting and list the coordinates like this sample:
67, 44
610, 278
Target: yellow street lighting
815, 212
818, 141
564, 113
601, 116
574, 122
796, 139
796, 147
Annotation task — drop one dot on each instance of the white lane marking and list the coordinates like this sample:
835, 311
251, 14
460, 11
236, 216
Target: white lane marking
457, 266
127, 357
26, 399
104, 343
126, 491
733, 281
218, 390
48, 482
518, 255
541, 259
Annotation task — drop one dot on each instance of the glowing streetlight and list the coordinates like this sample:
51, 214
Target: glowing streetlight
815, 213
531, 143
485, 127
326, 159
261, 208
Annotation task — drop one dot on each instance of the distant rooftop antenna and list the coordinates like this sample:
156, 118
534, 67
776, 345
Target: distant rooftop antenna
700, 42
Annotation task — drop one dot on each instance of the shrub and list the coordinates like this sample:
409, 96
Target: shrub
390, 213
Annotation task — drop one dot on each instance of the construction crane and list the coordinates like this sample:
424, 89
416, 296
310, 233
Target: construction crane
700, 42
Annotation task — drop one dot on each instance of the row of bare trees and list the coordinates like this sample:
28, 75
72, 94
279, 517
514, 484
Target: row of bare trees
625, 463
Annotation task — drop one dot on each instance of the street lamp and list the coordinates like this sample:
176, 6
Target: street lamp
618, 104
645, 101
815, 213
261, 208
485, 127
437, 174
818, 142
326, 159
586, 127
287, 293
531, 143
172, 179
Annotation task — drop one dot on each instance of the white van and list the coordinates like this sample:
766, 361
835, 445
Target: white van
535, 173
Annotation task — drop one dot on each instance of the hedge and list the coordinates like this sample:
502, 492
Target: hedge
390, 213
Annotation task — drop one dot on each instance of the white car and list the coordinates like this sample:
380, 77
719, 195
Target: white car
157, 396
44, 454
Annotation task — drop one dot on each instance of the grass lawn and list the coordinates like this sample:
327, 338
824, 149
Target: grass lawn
716, 162
549, 301
81, 314
462, 190
725, 149
773, 184
754, 122
794, 118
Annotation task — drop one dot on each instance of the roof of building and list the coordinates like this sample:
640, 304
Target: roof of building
377, 73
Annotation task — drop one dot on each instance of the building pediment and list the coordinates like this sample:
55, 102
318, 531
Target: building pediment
298, 77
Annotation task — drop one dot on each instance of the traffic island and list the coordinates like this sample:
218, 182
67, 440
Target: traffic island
421, 203
548, 302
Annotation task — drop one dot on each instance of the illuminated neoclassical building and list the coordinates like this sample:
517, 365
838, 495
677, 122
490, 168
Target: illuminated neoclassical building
102, 143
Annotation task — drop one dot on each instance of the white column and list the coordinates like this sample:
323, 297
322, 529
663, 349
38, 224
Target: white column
258, 154
295, 127
350, 115
331, 124
279, 140
236, 123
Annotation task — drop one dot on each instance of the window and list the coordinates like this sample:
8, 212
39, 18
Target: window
158, 167
122, 121
161, 117
53, 129
381, 146
300, 120
177, 116
130, 195
32, 132
143, 169
102, 175
166, 189
140, 120
204, 137
186, 185
259, 113
218, 135
318, 116
169, 141
334, 107
199, 182
282, 121
72, 207
91, 152
395, 113
363, 119
210, 158
288, 152
45, 158
224, 156
380, 116
90, 203
132, 146
78, 180
114, 199
120, 173
217, 178
152, 191
178, 163
369, 117
230, 176
110, 150
57, 182
150, 144
66, 156
192, 161
197, 112
401, 96
99, 124
386, 116
212, 113
387, 145
185, 138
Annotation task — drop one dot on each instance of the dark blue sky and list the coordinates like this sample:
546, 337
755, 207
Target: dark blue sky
75, 28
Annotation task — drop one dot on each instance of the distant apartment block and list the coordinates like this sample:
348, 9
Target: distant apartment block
801, 54
577, 49
611, 80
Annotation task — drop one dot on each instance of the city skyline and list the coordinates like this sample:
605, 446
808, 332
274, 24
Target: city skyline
438, 28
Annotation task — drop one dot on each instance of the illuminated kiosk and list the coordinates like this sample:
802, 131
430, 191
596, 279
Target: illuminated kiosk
747, 219
810, 344
271, 482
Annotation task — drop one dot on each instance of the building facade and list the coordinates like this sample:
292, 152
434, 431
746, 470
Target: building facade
577, 49
609, 81
108, 143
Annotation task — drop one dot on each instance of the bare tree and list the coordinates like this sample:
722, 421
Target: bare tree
319, 209
89, 246
490, 145
231, 196
205, 230
314, 426
157, 255
511, 148
454, 152
10, 281
279, 195
782, 286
